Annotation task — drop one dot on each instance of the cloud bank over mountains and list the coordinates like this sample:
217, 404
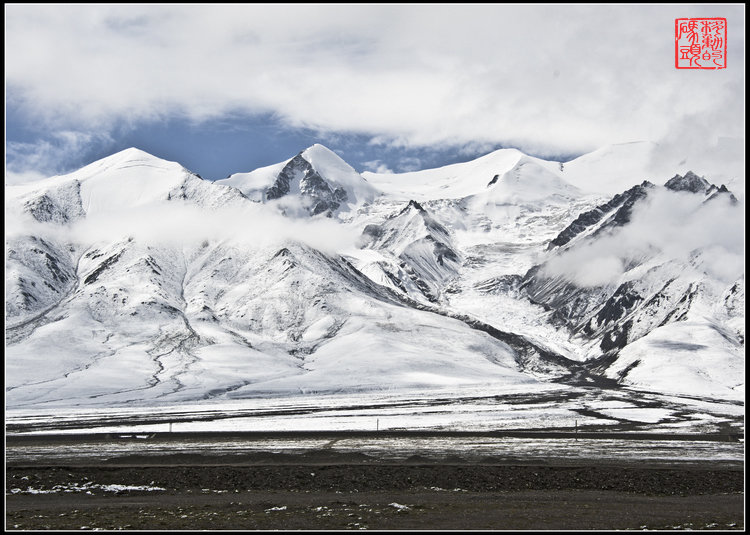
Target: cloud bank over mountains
549, 80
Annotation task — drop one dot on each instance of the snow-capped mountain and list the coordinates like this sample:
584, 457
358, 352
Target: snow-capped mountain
316, 177
133, 280
124, 181
649, 261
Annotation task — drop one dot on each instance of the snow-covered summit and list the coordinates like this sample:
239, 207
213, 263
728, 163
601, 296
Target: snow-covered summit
123, 181
611, 169
505, 175
455, 181
529, 180
335, 170
317, 177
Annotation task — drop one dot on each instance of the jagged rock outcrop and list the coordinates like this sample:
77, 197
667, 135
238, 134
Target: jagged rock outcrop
299, 174
689, 182
615, 212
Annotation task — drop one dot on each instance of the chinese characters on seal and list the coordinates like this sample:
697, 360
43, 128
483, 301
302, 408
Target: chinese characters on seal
701, 43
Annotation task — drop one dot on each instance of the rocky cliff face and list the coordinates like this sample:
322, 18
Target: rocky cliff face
613, 213
299, 176
690, 182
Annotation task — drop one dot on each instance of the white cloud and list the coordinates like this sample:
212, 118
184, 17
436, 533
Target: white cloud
703, 149
547, 79
23, 177
40, 159
168, 223
589, 266
670, 226
407, 164
377, 166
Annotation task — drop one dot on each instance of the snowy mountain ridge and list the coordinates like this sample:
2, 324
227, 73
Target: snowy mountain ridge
133, 280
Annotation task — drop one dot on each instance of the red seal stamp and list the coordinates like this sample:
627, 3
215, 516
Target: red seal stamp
700, 43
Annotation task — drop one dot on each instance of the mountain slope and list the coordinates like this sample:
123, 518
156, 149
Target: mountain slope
134, 281
135, 317
634, 267
155, 325
424, 257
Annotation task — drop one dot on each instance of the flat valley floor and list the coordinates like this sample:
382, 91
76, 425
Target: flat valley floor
324, 489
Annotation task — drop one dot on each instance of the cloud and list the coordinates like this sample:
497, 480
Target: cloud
691, 141
407, 164
588, 266
174, 223
667, 226
29, 161
23, 177
547, 79
376, 166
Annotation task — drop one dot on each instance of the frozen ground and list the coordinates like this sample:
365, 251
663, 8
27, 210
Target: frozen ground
384, 447
535, 407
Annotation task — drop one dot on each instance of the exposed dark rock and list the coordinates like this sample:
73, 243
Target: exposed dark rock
104, 265
622, 202
323, 198
373, 231
443, 251
412, 204
680, 310
45, 210
57, 206
624, 212
622, 303
284, 252
616, 338
721, 192
690, 182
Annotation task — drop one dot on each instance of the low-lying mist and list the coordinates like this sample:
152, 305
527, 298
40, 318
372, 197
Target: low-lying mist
671, 225
175, 224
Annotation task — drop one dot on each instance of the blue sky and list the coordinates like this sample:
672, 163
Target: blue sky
229, 88
216, 148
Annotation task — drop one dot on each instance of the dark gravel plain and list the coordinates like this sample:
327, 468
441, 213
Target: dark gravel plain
329, 490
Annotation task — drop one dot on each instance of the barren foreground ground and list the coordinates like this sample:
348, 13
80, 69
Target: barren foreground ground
326, 489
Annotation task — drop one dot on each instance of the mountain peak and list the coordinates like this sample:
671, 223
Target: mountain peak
317, 148
413, 204
322, 177
133, 154
130, 158
690, 182
325, 160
